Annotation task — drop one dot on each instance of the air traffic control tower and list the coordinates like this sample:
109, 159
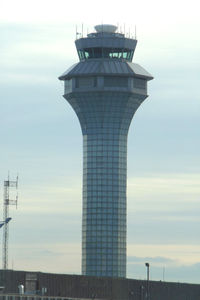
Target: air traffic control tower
105, 89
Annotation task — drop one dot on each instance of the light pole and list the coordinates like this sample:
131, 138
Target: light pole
148, 294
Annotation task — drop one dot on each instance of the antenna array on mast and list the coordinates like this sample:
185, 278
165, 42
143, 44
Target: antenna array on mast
8, 184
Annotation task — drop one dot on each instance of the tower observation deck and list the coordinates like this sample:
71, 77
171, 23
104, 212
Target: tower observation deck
105, 89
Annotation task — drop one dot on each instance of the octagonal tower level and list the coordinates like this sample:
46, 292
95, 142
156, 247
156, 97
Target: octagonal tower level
105, 89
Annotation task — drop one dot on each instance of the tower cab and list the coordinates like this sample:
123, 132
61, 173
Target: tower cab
106, 43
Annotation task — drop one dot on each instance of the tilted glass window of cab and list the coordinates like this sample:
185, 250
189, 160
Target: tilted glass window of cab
98, 52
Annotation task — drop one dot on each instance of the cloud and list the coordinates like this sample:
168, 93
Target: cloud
157, 260
148, 193
178, 254
35, 11
33, 54
45, 257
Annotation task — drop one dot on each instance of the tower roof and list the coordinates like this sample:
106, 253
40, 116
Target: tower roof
105, 28
105, 67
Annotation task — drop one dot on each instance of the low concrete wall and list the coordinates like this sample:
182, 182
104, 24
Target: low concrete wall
79, 286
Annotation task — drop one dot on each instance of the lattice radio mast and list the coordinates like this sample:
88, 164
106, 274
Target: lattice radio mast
8, 184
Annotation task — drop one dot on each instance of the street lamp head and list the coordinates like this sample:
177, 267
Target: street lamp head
7, 220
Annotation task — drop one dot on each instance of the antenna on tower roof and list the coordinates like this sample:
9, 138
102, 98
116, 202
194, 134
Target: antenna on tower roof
7, 201
77, 33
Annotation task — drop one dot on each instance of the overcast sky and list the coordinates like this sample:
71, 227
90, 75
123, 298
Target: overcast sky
41, 138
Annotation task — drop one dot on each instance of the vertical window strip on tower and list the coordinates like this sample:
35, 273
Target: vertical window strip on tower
110, 81
139, 83
85, 82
